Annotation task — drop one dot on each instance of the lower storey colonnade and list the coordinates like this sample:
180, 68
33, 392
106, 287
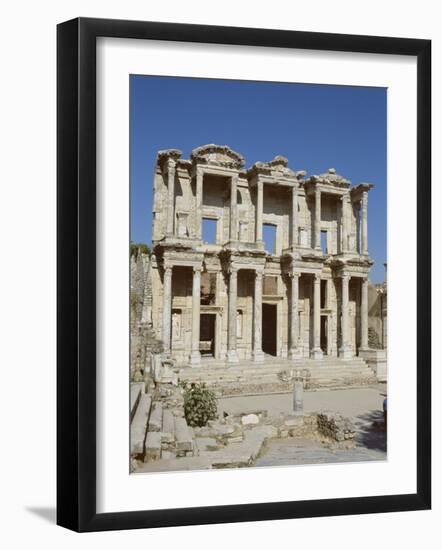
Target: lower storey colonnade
305, 314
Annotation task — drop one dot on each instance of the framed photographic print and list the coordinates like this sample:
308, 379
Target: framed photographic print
230, 347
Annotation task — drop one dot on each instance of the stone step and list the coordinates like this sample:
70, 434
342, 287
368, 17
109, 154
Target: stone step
152, 447
183, 435
331, 372
168, 429
139, 424
156, 417
196, 371
136, 389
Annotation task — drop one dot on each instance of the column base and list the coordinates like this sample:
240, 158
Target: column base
195, 358
258, 356
232, 356
316, 353
345, 353
294, 354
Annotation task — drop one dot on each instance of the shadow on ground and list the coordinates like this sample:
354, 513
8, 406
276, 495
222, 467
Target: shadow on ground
46, 513
371, 431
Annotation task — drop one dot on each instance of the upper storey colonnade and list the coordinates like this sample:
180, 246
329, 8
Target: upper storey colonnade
309, 204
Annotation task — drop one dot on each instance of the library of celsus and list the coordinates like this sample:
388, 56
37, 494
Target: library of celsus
250, 263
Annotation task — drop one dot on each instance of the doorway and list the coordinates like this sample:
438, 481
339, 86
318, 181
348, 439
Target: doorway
269, 329
207, 334
324, 331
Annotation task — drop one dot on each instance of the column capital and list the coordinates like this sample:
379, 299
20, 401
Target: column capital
317, 277
345, 276
259, 273
168, 269
171, 163
232, 270
197, 268
293, 274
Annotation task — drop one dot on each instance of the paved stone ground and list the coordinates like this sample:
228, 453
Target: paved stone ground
362, 406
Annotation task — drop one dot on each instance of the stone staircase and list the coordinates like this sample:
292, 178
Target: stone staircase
157, 431
251, 378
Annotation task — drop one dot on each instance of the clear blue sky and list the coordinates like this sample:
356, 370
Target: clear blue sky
315, 126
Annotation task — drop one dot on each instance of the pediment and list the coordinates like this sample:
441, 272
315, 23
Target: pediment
220, 155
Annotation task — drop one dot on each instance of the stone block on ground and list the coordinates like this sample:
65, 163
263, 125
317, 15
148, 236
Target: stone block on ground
136, 389
249, 419
156, 417
152, 447
139, 425
183, 435
168, 426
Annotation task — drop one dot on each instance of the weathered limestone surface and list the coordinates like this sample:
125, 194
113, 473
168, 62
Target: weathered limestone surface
139, 425
156, 417
153, 446
183, 435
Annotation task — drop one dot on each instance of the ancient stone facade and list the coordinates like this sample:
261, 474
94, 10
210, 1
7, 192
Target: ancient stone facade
231, 299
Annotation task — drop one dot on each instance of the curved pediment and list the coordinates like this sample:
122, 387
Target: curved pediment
220, 155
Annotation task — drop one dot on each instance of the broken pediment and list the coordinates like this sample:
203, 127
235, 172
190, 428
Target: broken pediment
330, 178
221, 155
277, 167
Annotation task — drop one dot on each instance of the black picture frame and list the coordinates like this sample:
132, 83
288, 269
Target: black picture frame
76, 274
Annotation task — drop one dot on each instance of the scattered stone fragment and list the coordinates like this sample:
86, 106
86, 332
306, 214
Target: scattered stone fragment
249, 419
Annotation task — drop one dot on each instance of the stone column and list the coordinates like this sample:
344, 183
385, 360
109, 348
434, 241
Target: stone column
195, 356
364, 233
295, 215
167, 307
199, 201
258, 354
259, 208
294, 351
364, 314
331, 321
384, 320
233, 209
345, 350
344, 230
316, 352
232, 355
317, 219
170, 196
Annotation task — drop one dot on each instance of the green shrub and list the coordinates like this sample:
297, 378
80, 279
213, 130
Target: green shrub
199, 404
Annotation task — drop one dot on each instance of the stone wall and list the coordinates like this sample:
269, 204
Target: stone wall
143, 340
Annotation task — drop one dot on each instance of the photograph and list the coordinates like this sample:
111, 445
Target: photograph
258, 274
